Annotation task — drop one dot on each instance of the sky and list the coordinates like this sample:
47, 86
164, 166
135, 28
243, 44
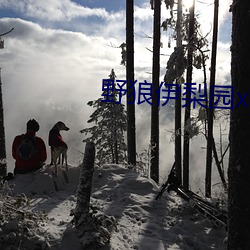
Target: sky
55, 59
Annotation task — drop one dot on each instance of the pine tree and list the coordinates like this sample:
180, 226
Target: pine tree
110, 121
175, 69
154, 169
238, 170
191, 23
3, 164
131, 126
211, 101
188, 53
3, 161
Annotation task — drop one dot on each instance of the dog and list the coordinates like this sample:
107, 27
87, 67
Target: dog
57, 152
58, 146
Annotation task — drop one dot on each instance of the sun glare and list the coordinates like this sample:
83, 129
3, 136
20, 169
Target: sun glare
188, 3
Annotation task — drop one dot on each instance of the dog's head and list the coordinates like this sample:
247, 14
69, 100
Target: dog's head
61, 126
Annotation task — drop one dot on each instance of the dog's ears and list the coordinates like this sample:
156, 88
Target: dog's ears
61, 125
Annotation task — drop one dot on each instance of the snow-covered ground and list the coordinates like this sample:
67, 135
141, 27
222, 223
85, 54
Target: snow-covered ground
141, 221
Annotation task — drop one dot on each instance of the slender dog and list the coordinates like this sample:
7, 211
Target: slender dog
58, 146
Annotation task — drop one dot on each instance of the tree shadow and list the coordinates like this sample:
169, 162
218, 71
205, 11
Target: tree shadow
167, 223
39, 188
121, 192
182, 228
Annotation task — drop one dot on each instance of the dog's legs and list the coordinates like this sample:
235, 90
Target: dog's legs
63, 157
66, 161
56, 170
57, 152
55, 158
59, 159
51, 156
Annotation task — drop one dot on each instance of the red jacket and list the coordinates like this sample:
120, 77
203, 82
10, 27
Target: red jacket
37, 159
55, 139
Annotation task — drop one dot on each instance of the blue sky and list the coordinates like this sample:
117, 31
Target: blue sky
83, 15
54, 61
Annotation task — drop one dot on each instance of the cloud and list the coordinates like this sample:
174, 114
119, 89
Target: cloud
56, 10
51, 75
205, 14
143, 12
54, 64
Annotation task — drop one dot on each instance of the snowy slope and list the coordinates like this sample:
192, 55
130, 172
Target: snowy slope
141, 221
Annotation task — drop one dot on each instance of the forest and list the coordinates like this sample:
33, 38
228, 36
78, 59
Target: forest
209, 110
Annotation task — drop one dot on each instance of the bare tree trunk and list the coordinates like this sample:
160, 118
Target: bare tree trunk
81, 215
3, 162
209, 158
216, 158
116, 152
178, 101
93, 231
131, 131
188, 104
239, 170
154, 169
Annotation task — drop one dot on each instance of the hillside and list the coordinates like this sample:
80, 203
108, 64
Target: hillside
141, 221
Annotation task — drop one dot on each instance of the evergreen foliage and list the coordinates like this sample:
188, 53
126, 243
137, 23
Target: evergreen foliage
177, 63
110, 119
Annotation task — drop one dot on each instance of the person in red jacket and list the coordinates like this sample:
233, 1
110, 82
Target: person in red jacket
29, 150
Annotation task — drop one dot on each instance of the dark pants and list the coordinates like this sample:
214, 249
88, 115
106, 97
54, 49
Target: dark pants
25, 171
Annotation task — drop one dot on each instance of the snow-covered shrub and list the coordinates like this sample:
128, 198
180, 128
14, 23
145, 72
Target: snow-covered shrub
20, 228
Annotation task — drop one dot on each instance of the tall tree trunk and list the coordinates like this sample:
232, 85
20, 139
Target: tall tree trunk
239, 160
115, 142
116, 152
154, 169
3, 161
178, 101
188, 104
209, 158
131, 131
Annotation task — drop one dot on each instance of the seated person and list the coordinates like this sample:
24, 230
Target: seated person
29, 150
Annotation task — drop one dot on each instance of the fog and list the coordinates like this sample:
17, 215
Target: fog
49, 74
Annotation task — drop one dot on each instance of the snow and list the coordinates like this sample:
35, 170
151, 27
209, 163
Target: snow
141, 221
